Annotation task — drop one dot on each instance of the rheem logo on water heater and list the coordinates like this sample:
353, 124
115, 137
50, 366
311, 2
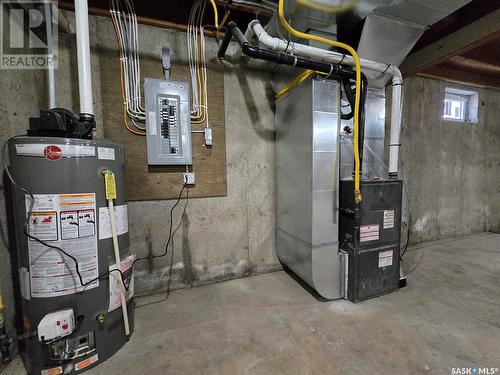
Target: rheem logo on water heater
52, 152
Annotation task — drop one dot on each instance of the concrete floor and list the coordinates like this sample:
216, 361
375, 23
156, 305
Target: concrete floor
447, 317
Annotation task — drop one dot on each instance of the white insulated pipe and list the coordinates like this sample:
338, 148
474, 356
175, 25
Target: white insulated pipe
83, 55
277, 44
50, 46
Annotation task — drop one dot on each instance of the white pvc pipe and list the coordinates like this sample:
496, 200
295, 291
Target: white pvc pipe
278, 44
50, 46
83, 54
118, 265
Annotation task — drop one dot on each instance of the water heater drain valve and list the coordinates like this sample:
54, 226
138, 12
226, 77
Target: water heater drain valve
56, 325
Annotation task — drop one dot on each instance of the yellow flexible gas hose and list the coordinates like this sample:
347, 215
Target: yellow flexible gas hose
216, 14
333, 43
327, 8
295, 82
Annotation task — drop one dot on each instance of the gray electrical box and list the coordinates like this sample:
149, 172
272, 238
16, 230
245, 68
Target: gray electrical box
168, 122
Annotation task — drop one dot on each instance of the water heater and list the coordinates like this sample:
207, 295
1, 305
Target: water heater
70, 327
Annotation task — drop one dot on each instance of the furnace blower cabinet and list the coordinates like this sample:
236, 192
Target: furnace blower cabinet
340, 248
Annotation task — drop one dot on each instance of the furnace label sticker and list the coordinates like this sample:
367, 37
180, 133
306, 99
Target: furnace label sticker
385, 258
121, 219
369, 233
52, 273
115, 284
388, 219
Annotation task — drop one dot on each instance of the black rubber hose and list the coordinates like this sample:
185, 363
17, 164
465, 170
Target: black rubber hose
362, 118
346, 83
225, 42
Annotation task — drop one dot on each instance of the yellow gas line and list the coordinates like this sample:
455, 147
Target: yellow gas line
333, 43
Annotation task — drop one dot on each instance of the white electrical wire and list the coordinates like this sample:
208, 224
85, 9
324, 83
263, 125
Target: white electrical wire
197, 62
125, 19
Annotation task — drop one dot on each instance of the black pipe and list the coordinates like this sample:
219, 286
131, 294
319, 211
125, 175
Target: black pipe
225, 42
346, 83
286, 59
362, 116
279, 57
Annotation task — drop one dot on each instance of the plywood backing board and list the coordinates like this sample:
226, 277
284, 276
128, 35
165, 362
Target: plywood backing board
164, 182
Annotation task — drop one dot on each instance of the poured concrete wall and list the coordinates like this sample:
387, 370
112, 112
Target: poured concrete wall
451, 169
218, 238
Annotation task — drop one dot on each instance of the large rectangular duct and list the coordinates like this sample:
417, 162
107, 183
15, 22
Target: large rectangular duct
307, 159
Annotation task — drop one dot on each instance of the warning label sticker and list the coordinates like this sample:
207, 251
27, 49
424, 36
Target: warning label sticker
115, 282
86, 362
66, 221
369, 233
152, 122
384, 258
43, 225
106, 153
388, 219
121, 219
52, 371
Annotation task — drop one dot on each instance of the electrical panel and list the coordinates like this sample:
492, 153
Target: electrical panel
168, 122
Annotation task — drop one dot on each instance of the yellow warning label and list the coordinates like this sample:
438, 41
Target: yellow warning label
110, 185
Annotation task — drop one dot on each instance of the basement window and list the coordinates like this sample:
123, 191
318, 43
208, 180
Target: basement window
460, 105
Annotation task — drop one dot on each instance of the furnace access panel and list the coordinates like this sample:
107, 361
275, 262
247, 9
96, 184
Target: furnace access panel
168, 122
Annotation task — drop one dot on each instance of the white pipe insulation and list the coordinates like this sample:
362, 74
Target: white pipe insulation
83, 55
277, 44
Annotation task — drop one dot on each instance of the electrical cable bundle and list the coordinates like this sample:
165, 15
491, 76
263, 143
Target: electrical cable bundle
125, 24
197, 63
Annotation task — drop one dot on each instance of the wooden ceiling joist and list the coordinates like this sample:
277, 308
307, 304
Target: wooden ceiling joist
472, 36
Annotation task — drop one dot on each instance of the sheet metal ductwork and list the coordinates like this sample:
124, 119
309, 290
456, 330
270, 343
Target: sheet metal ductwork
383, 30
